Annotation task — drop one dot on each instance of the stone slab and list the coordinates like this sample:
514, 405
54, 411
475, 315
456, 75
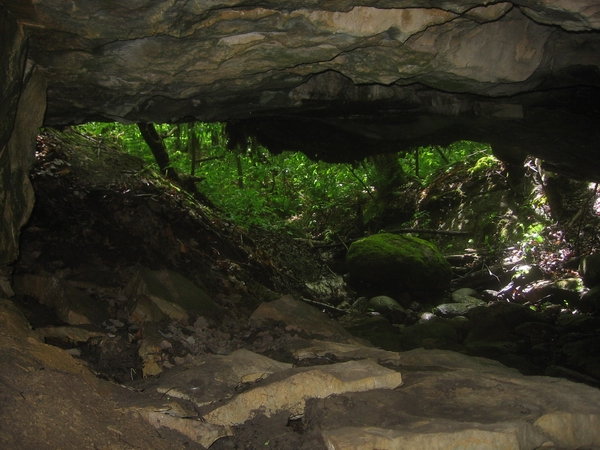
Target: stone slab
214, 377
440, 435
174, 295
203, 433
302, 318
318, 348
71, 305
291, 393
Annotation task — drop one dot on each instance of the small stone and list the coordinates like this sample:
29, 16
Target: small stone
73, 351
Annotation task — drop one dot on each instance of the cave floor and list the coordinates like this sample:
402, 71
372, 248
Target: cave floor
97, 221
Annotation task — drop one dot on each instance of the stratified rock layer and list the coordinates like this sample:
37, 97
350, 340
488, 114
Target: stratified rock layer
337, 80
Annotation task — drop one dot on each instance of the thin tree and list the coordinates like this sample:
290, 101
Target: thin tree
157, 147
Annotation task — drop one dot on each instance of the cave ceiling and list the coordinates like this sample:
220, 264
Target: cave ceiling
336, 79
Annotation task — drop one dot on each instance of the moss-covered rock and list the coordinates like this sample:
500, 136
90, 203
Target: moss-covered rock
398, 262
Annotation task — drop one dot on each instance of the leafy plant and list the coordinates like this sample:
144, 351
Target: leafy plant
256, 188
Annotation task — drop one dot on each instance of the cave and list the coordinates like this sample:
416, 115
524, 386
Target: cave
337, 81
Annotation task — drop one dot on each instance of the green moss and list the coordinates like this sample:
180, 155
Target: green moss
483, 164
398, 261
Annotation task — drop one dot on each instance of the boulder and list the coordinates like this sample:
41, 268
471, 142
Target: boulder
71, 305
589, 268
175, 296
455, 309
399, 262
466, 295
589, 302
384, 304
388, 307
297, 316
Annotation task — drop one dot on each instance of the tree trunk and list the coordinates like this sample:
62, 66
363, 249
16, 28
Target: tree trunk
158, 149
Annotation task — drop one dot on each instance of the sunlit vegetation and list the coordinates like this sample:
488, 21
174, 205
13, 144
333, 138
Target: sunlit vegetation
287, 191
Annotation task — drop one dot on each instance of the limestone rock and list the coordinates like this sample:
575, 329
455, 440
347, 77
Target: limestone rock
72, 306
203, 433
13, 322
69, 335
514, 75
571, 375
456, 309
21, 116
571, 430
150, 350
384, 304
346, 351
578, 323
589, 302
415, 335
173, 294
465, 295
439, 434
299, 317
215, 377
536, 412
560, 292
143, 309
291, 393
378, 331
401, 262
589, 269
44, 388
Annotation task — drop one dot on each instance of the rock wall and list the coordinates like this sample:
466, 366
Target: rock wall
337, 80
22, 104
12, 65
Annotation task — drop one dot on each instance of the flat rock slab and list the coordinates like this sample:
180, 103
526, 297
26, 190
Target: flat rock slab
302, 318
451, 400
203, 433
439, 435
271, 387
174, 295
317, 349
442, 400
70, 334
214, 377
291, 392
72, 305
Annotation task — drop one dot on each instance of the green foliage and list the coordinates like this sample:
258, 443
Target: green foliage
434, 158
483, 164
287, 191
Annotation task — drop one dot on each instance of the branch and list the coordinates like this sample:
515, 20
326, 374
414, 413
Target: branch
424, 230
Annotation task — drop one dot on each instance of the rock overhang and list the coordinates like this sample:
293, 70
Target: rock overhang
337, 80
